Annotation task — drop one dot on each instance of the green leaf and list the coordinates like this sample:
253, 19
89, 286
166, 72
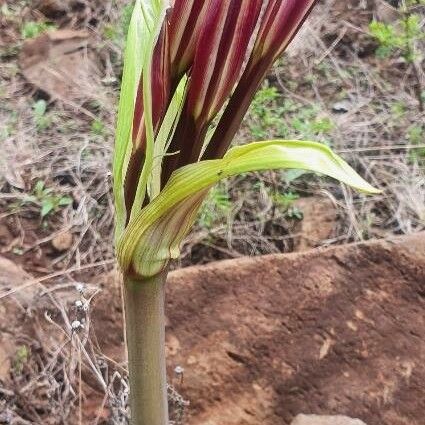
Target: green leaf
292, 175
146, 171
30, 199
40, 107
65, 200
153, 236
165, 134
47, 206
142, 22
39, 188
32, 29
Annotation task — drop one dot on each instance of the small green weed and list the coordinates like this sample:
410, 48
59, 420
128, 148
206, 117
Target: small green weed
111, 32
117, 31
416, 136
32, 29
9, 126
216, 206
266, 114
285, 202
41, 119
272, 115
401, 36
98, 127
310, 124
21, 358
48, 201
399, 109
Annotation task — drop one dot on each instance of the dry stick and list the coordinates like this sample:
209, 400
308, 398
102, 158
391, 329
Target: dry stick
53, 275
418, 86
411, 52
145, 329
100, 408
80, 391
382, 148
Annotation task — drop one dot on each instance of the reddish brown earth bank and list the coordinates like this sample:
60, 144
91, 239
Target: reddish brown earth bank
331, 331
334, 331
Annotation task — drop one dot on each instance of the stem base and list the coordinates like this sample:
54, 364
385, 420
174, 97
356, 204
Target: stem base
144, 303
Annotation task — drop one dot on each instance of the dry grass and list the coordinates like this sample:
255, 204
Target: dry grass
59, 373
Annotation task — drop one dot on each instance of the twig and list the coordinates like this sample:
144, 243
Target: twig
33, 282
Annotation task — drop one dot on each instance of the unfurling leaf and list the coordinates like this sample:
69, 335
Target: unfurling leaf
185, 61
139, 43
133, 60
154, 236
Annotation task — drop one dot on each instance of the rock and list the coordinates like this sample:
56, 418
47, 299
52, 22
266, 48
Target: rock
11, 308
328, 330
12, 276
53, 9
318, 224
342, 107
325, 420
62, 64
63, 241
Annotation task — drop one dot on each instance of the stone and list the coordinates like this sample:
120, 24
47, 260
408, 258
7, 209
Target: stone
53, 9
325, 420
320, 218
63, 241
342, 107
11, 276
62, 64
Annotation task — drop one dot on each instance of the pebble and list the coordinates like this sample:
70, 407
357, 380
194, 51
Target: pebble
63, 241
342, 107
325, 420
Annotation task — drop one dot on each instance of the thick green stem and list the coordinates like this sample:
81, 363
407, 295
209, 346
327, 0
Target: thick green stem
145, 330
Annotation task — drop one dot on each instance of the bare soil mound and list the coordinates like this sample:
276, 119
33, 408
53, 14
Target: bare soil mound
260, 340
335, 331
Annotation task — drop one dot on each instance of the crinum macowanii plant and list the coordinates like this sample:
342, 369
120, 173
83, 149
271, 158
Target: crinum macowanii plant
188, 63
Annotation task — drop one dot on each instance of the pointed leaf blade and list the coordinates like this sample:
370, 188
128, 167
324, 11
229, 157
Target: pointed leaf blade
154, 236
146, 172
137, 43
